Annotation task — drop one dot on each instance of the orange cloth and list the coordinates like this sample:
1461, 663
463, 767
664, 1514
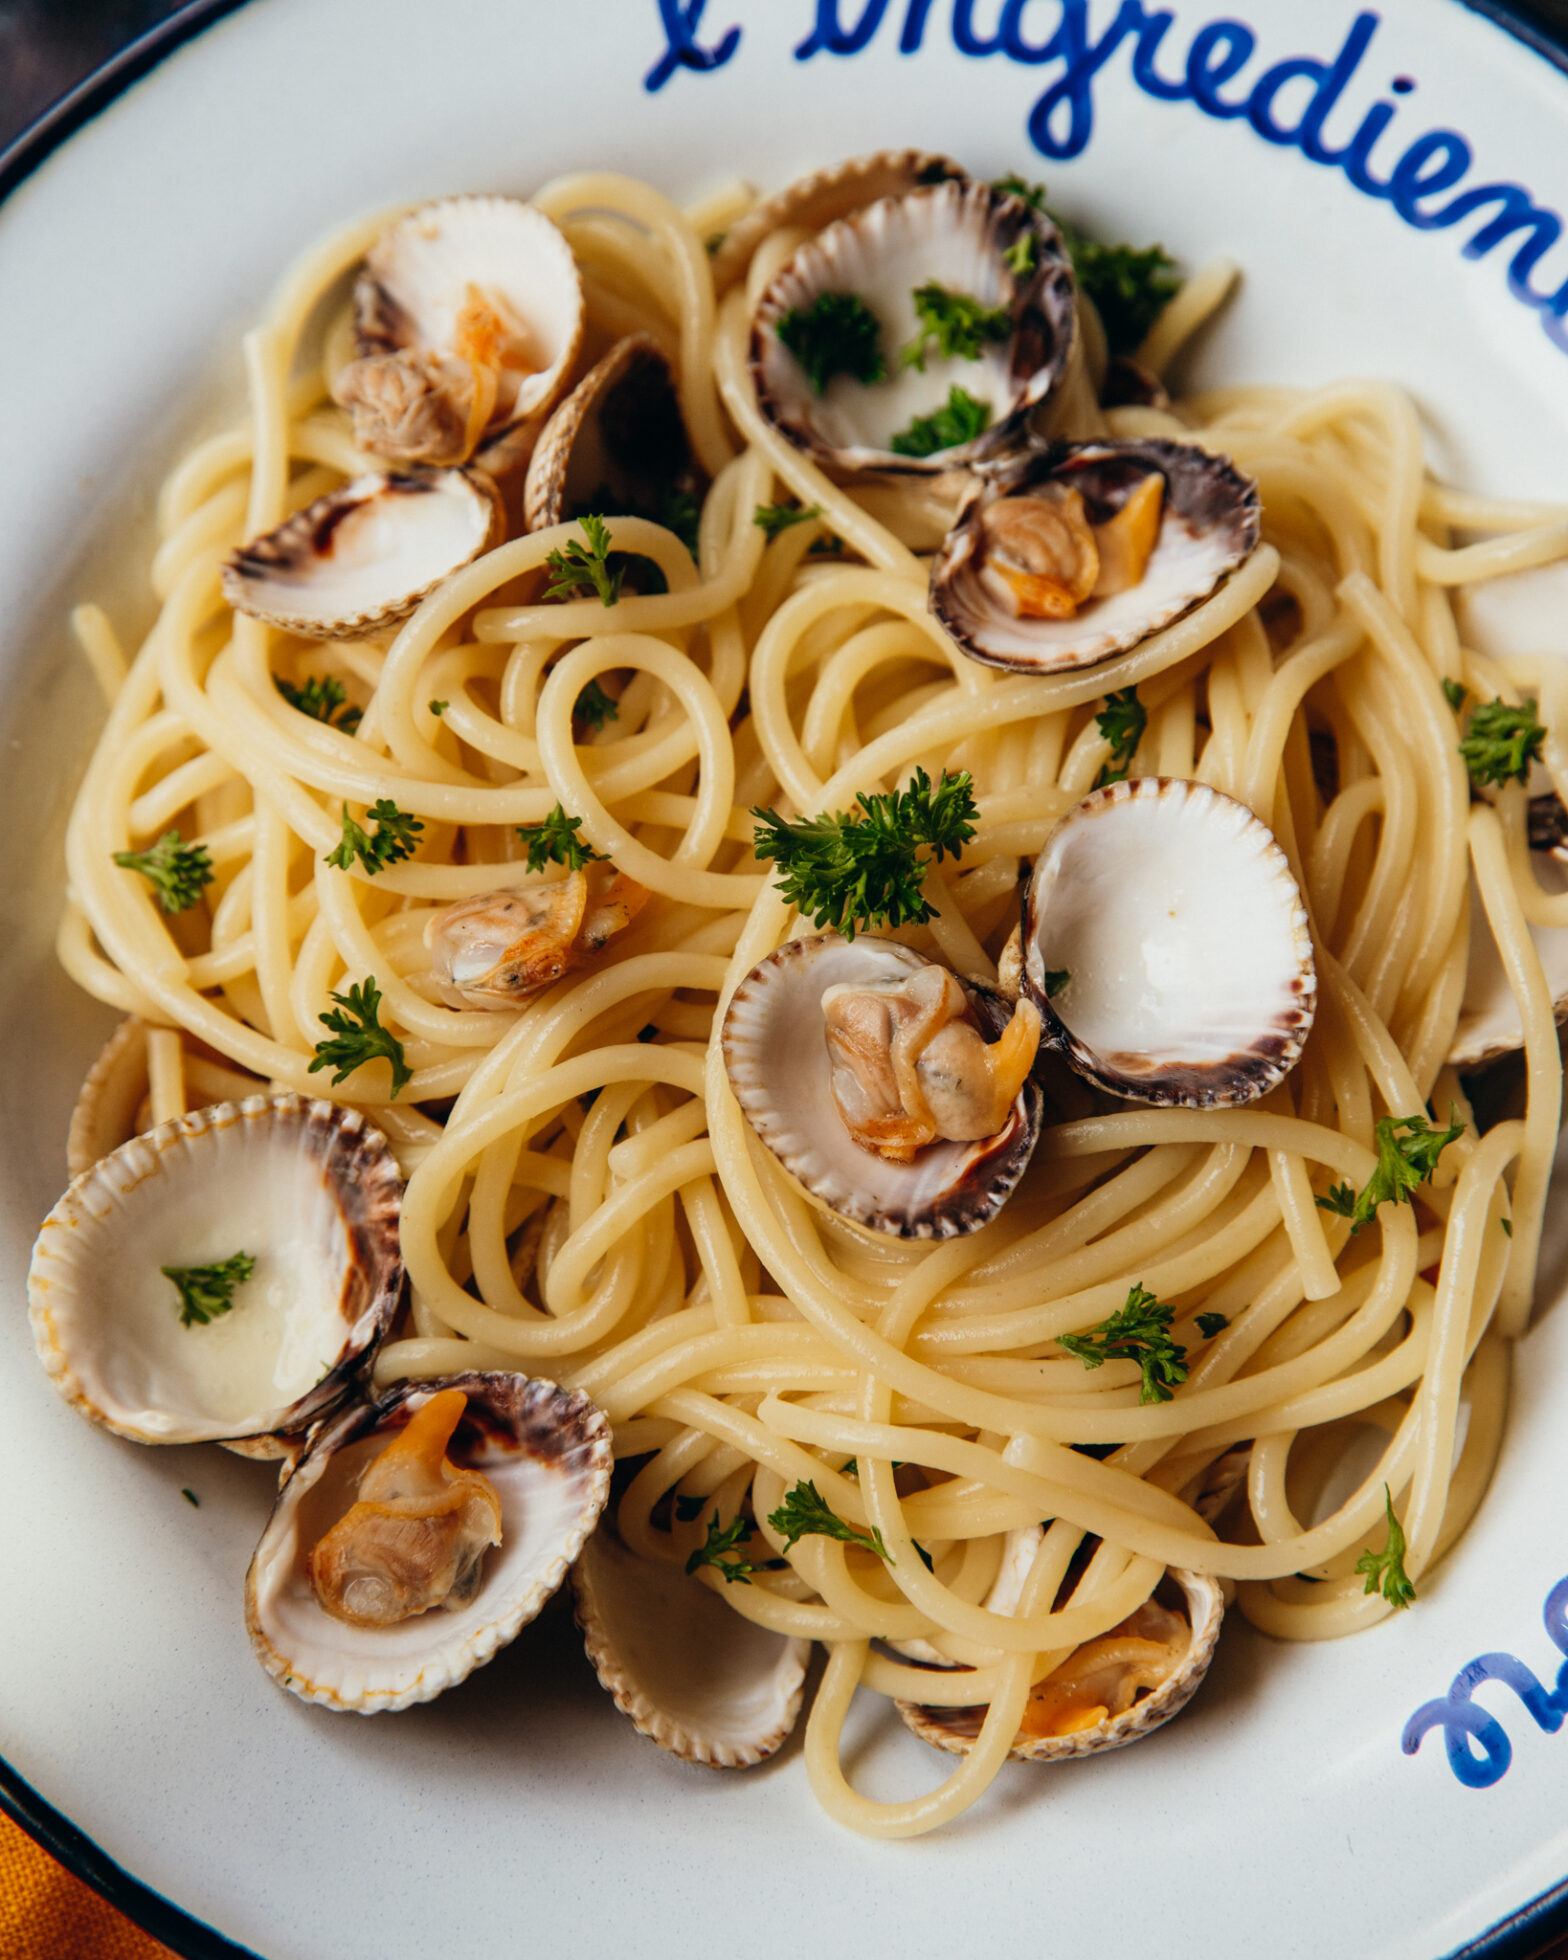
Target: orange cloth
46, 1914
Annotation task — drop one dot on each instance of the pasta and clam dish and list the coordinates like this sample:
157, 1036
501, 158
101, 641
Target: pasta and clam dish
892, 920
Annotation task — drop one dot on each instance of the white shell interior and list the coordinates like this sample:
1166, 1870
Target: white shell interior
546, 1508
1173, 912
507, 250
698, 1678
883, 253
396, 541
104, 1313
776, 1052
1489, 1023
1184, 567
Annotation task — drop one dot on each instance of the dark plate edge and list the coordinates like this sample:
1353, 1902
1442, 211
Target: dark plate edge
1523, 1935
80, 1856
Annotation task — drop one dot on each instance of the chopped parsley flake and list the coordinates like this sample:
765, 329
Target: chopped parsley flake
836, 334
208, 1291
960, 420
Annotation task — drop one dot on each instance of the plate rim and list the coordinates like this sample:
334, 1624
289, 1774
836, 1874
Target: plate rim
1523, 1934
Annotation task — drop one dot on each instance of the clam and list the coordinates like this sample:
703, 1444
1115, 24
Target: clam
1080, 551
825, 195
694, 1676
114, 1102
228, 1275
419, 1533
849, 365
1489, 1026
468, 318
1167, 946
895, 1093
616, 444
1110, 1691
499, 947
365, 554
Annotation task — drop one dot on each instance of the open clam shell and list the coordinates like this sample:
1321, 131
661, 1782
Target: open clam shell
113, 1102
776, 1055
467, 291
1201, 1605
548, 1455
617, 443
1167, 946
1489, 1025
305, 1189
695, 1677
966, 237
1208, 526
365, 554
825, 195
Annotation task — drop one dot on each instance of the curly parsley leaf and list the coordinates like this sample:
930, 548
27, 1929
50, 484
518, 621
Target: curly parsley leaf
177, 872
395, 836
438, 708
593, 707
772, 519
1139, 1331
836, 334
1130, 287
555, 841
957, 322
847, 871
1210, 1324
1121, 721
581, 567
722, 1539
357, 1037
208, 1291
1407, 1152
1012, 185
960, 420
803, 1514
1385, 1570
1454, 694
323, 700
1501, 743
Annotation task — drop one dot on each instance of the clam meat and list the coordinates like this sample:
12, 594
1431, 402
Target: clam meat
500, 947
896, 1094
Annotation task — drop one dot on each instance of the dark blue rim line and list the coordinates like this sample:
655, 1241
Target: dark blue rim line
1524, 1935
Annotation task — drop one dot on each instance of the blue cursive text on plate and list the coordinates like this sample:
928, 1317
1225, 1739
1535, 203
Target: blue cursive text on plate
1417, 183
1468, 1729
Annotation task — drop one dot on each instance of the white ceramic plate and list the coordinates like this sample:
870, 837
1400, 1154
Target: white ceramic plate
1279, 1816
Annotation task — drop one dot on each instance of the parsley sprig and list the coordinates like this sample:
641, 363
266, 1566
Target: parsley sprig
1139, 1331
394, 838
581, 567
775, 518
323, 700
959, 420
593, 707
177, 872
836, 334
957, 322
1121, 721
1385, 1570
803, 1514
357, 1037
847, 871
721, 1540
1501, 743
207, 1291
555, 841
1407, 1152
1130, 287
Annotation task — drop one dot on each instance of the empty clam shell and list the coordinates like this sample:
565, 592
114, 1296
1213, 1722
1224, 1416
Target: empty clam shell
825, 195
695, 1677
1167, 945
113, 1102
617, 443
776, 1055
547, 1454
1203, 1608
366, 554
304, 1189
965, 237
1208, 526
1489, 1025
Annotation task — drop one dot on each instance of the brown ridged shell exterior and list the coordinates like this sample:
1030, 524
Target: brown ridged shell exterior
309, 531
106, 1104
955, 1729
356, 1163
826, 195
516, 1429
619, 1650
